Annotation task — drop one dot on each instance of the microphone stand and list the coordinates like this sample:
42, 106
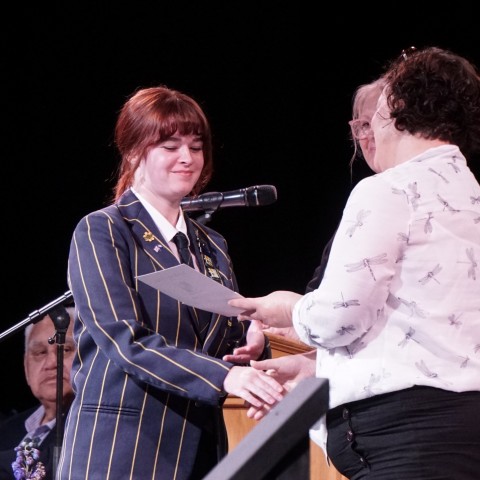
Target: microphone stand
61, 319
206, 217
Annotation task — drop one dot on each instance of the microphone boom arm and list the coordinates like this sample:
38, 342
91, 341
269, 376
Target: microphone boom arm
37, 315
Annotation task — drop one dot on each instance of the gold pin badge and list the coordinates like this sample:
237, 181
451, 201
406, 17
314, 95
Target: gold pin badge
148, 236
208, 261
213, 273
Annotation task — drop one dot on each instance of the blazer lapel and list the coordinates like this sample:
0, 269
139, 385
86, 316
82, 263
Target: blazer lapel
145, 231
156, 247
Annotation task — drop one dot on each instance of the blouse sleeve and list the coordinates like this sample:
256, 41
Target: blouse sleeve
362, 262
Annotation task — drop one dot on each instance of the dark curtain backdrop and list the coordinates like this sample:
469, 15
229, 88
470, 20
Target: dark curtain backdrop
276, 83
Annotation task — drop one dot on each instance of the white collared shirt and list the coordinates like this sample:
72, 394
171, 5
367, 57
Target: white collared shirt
167, 230
33, 422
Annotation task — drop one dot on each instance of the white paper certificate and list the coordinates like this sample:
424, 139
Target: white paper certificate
193, 288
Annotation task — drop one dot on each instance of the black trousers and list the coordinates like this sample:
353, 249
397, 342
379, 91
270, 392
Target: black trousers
420, 433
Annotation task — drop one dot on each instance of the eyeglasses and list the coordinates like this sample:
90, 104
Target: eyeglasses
360, 128
406, 52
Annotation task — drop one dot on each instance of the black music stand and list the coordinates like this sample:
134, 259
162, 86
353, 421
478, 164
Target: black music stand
278, 447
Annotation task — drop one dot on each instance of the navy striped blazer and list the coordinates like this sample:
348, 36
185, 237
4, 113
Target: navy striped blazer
148, 373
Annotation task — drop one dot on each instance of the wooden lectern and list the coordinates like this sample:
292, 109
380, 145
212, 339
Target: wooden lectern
239, 425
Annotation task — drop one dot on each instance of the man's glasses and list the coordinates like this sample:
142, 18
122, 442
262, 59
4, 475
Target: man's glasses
360, 128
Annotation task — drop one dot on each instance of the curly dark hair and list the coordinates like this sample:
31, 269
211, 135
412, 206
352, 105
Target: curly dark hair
435, 93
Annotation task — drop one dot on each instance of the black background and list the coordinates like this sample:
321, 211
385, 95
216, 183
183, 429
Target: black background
275, 82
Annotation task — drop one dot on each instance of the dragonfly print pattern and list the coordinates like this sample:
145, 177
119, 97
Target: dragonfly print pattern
346, 304
421, 365
408, 337
359, 222
362, 341
346, 329
428, 227
412, 306
454, 320
427, 372
411, 194
475, 201
472, 261
438, 174
373, 381
446, 205
315, 338
367, 263
454, 166
431, 275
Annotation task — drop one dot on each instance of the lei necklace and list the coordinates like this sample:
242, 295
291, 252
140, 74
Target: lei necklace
26, 466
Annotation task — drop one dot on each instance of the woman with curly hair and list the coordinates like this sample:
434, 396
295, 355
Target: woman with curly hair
397, 313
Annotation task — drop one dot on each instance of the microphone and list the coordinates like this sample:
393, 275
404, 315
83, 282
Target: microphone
255, 196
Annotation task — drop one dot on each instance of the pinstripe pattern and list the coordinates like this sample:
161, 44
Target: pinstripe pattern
147, 381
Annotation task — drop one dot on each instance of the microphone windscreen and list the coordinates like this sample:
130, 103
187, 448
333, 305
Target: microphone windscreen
261, 195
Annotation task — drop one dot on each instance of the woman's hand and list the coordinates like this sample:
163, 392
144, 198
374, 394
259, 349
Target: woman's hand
288, 370
274, 310
286, 332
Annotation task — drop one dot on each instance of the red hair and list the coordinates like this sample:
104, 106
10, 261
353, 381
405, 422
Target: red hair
150, 116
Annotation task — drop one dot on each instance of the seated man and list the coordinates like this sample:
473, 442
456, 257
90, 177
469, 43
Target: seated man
40, 364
